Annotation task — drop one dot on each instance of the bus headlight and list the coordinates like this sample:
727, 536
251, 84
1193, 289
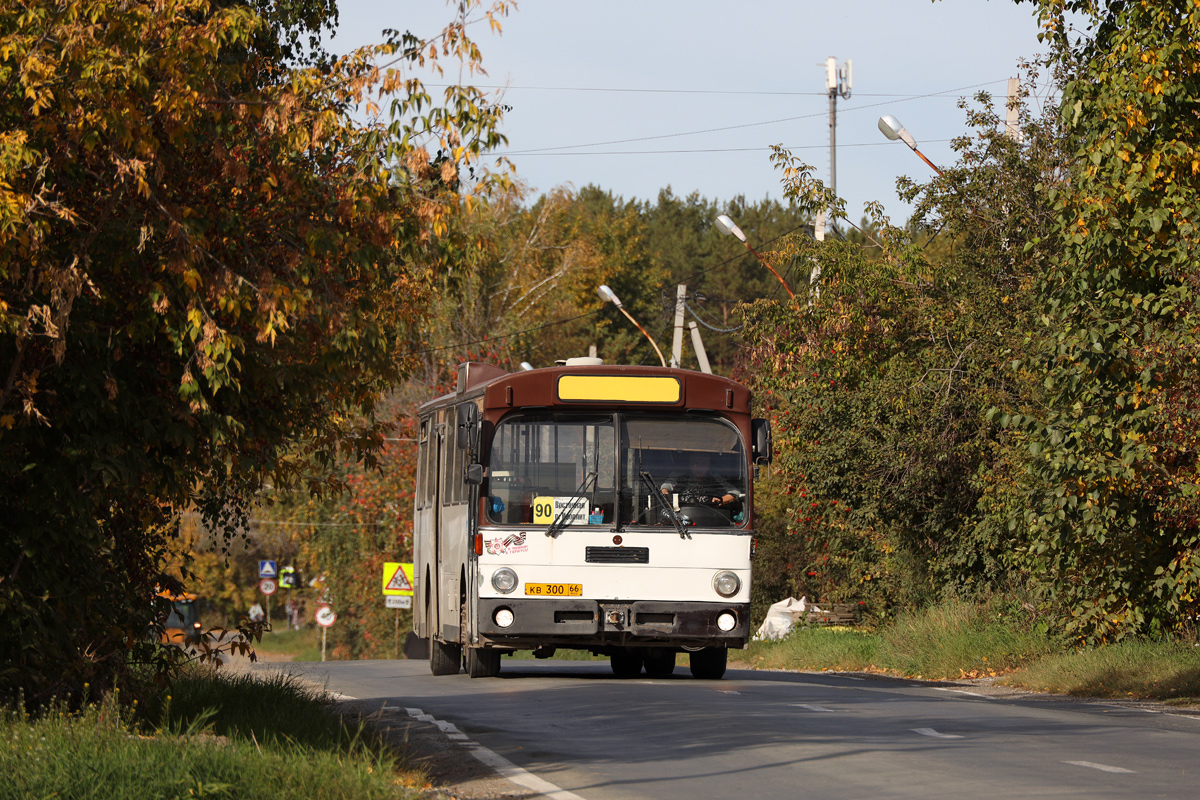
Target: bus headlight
726, 583
504, 580
726, 621
503, 617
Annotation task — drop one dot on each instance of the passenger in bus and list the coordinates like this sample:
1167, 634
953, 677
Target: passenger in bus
702, 485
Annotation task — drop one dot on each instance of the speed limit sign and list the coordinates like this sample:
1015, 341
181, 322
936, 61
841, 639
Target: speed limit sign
325, 616
267, 586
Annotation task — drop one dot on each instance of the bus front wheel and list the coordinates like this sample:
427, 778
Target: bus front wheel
483, 663
709, 663
660, 661
445, 658
626, 663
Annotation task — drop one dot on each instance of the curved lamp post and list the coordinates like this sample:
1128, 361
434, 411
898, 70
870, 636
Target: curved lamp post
610, 296
892, 129
728, 226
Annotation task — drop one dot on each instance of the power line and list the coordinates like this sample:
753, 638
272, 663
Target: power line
742, 126
501, 336
619, 90
707, 150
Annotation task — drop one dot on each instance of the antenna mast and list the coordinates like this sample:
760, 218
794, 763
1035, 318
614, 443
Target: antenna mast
837, 82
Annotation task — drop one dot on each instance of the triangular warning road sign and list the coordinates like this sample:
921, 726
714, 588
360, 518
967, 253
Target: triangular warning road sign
399, 582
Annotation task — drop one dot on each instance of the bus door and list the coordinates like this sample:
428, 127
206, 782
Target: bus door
425, 611
452, 534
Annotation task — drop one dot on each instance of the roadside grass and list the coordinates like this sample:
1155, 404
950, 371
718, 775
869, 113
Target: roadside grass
216, 736
992, 639
302, 645
958, 639
813, 648
1145, 669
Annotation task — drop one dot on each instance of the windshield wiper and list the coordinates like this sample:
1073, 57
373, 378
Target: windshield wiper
648, 481
560, 522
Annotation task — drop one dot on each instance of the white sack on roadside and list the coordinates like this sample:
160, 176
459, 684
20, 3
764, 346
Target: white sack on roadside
781, 616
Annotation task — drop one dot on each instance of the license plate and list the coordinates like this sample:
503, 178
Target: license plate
554, 589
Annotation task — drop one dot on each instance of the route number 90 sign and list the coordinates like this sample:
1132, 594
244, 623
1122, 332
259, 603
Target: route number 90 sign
547, 509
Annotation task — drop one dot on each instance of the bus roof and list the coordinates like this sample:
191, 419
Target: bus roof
595, 386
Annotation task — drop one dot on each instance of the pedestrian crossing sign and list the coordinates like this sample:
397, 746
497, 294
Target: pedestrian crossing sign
267, 569
397, 579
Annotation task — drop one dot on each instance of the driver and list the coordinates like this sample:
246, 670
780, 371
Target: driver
701, 486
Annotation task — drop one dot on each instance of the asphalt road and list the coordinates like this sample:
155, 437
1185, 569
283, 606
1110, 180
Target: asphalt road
571, 730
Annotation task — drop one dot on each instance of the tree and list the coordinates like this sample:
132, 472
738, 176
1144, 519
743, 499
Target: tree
1111, 487
893, 484
208, 271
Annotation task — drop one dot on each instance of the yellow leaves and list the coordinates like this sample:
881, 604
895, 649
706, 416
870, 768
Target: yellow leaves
268, 186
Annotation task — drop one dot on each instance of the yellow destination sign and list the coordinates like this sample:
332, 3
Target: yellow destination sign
397, 579
619, 388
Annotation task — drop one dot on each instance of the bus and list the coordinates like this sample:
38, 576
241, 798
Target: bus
558, 508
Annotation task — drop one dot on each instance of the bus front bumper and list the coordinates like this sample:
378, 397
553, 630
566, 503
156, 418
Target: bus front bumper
577, 621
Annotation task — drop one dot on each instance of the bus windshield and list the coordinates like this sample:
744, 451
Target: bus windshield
570, 470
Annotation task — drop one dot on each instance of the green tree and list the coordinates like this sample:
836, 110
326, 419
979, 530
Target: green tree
208, 271
1111, 488
892, 485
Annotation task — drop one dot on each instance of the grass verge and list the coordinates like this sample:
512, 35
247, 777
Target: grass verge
302, 645
1153, 670
962, 640
214, 736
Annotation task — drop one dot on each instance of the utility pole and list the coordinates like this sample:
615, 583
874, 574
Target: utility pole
698, 343
837, 82
677, 340
1012, 127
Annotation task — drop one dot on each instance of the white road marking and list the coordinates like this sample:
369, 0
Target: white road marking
496, 761
930, 732
813, 708
963, 691
1101, 767
727, 691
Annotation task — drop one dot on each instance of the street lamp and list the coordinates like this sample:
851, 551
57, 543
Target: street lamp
891, 128
728, 226
609, 296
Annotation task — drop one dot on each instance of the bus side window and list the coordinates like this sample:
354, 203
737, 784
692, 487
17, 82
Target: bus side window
422, 494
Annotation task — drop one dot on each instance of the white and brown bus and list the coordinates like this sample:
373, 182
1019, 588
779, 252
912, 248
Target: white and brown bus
555, 510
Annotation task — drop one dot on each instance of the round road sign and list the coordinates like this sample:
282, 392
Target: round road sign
267, 586
325, 616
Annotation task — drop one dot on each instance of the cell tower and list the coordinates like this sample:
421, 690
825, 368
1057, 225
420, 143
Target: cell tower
837, 82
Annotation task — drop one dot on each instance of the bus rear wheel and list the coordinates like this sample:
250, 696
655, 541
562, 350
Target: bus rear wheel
660, 661
483, 663
708, 664
626, 663
445, 658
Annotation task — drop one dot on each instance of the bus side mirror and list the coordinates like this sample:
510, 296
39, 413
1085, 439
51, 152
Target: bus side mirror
760, 435
468, 417
474, 475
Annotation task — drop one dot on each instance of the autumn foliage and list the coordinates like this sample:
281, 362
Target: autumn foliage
209, 275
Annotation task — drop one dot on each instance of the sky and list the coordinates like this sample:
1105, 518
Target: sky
638, 95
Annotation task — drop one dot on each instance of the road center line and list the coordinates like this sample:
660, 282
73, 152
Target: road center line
1101, 767
813, 708
930, 732
496, 761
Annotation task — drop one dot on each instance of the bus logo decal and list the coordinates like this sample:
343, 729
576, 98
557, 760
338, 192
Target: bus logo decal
513, 543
